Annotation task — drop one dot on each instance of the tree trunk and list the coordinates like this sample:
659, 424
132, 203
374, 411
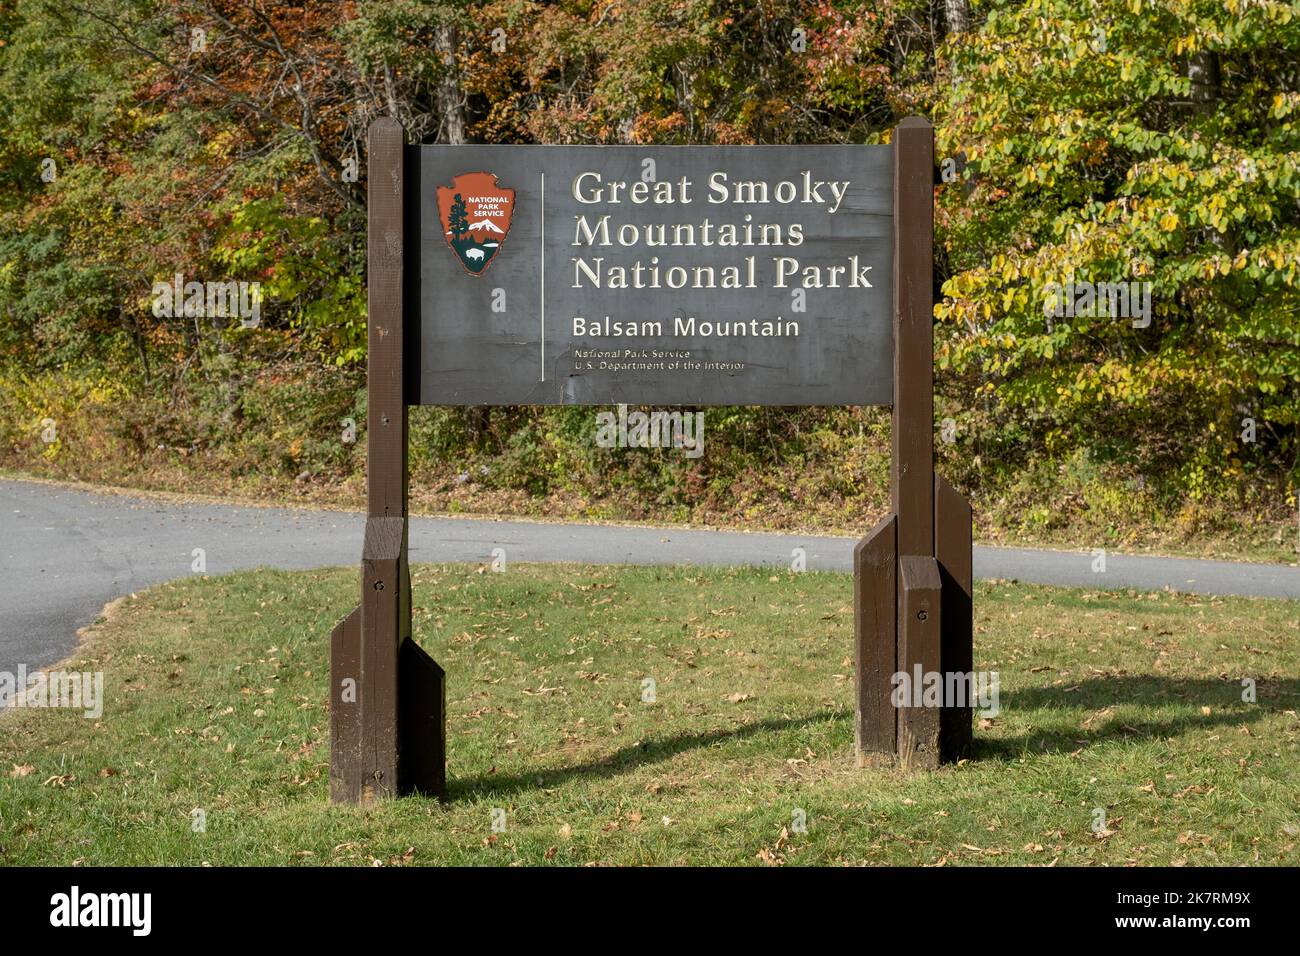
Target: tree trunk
957, 15
1203, 71
449, 96
1207, 87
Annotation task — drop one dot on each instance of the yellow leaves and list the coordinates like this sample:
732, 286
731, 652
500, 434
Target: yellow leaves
222, 144
1008, 269
1169, 222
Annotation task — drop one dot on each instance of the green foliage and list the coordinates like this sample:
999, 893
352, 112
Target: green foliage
1130, 141
1104, 141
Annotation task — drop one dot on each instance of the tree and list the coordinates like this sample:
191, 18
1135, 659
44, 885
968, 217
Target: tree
459, 219
1142, 144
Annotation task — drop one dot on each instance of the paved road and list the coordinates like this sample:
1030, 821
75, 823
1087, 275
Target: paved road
65, 553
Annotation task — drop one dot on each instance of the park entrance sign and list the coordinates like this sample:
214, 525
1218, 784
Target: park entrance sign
721, 275
738, 275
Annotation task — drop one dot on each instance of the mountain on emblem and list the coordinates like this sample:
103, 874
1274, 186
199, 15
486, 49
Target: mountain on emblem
475, 214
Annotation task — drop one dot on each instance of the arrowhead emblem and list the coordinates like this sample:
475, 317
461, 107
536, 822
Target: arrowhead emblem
475, 213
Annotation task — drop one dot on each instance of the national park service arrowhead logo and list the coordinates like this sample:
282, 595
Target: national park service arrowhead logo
475, 214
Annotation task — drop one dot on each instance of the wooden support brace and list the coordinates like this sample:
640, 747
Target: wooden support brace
345, 710
874, 567
382, 632
919, 622
422, 724
952, 548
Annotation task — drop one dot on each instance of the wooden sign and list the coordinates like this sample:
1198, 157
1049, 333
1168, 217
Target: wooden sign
720, 275
653, 275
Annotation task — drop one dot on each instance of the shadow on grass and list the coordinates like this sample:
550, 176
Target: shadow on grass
1086, 700
1092, 696
626, 759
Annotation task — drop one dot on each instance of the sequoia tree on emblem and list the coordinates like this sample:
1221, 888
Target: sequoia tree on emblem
475, 214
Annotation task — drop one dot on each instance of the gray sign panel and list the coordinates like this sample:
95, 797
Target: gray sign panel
690, 275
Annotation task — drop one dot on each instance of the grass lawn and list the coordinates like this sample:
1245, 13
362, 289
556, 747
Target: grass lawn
1116, 702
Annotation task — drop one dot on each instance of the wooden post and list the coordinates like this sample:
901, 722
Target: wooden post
912, 472
386, 411
912, 573
383, 557
388, 733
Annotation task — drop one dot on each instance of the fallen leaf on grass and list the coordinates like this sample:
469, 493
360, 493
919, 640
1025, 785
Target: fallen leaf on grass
1104, 712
